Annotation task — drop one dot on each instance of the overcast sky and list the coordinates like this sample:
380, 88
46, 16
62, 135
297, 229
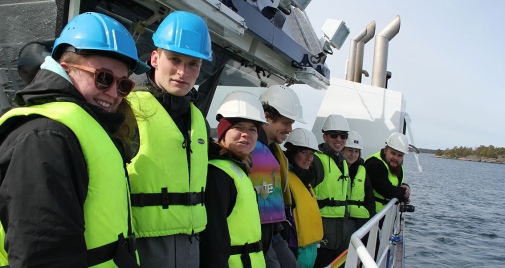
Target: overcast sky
448, 60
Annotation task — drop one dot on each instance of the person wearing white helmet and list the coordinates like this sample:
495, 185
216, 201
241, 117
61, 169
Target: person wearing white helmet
330, 185
385, 169
306, 225
168, 171
269, 172
360, 198
232, 237
63, 184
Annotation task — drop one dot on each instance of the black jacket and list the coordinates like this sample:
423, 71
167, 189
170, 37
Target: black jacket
44, 179
378, 174
220, 198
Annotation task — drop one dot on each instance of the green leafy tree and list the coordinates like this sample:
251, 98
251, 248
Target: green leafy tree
481, 151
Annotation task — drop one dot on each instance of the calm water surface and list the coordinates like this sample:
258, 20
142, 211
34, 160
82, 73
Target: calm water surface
459, 220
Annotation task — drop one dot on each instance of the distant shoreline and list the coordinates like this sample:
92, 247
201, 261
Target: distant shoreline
486, 154
475, 158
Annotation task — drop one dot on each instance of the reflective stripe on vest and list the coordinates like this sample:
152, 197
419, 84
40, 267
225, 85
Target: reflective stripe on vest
308, 222
333, 188
162, 163
355, 201
244, 220
107, 201
392, 178
266, 176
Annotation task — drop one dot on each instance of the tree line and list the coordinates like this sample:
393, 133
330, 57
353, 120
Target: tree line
481, 151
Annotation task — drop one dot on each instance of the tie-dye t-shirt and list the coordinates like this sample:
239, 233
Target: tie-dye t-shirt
266, 178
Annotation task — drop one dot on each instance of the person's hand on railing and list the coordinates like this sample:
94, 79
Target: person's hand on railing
407, 190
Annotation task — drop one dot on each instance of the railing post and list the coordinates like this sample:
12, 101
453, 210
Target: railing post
358, 252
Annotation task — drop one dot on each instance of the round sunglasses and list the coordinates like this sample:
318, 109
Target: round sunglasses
104, 79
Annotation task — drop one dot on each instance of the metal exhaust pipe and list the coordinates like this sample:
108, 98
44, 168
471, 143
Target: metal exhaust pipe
379, 70
351, 64
360, 51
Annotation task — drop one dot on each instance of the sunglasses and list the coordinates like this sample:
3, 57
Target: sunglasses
335, 135
104, 80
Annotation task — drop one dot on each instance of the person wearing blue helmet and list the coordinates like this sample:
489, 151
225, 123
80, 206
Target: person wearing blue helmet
168, 171
64, 195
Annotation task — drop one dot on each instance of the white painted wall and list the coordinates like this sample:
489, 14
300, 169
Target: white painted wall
372, 111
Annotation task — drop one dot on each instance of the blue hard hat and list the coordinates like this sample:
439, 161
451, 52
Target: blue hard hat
184, 33
100, 33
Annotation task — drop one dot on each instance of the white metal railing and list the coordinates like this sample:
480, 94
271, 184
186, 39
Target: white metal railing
386, 255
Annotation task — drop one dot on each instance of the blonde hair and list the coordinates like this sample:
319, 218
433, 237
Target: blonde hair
244, 158
71, 57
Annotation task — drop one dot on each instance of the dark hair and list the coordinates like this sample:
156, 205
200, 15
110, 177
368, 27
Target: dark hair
291, 151
271, 112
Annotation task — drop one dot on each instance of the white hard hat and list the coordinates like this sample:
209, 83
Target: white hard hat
302, 137
335, 122
354, 141
399, 142
241, 104
284, 100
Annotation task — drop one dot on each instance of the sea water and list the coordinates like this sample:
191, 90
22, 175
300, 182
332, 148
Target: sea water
459, 218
